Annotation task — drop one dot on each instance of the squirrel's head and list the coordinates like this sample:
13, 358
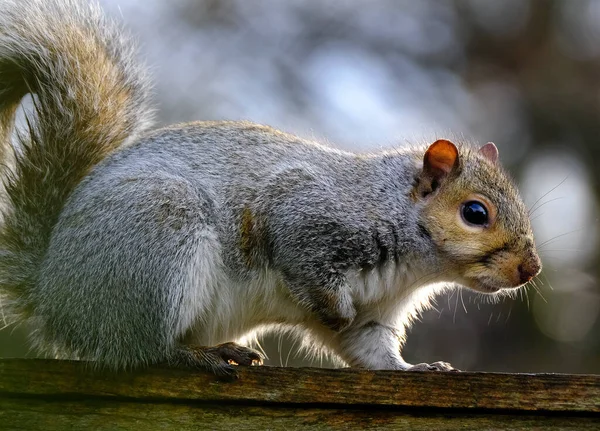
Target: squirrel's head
476, 218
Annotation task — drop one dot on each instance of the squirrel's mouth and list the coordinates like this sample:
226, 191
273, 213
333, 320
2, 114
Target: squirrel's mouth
486, 288
485, 285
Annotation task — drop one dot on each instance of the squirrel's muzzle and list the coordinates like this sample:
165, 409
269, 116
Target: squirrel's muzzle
529, 268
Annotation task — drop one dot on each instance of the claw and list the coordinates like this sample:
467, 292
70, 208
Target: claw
221, 360
436, 366
239, 355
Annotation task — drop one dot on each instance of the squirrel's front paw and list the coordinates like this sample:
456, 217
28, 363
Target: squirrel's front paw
220, 359
436, 366
235, 354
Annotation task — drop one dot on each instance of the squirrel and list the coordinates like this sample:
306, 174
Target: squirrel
129, 247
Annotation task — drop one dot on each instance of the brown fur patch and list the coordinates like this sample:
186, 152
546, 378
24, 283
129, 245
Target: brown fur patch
248, 239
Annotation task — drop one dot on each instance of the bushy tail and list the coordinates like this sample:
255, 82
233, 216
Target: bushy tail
90, 97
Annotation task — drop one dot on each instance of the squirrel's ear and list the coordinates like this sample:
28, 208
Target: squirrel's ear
440, 159
490, 152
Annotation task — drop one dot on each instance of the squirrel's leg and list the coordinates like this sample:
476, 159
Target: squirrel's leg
373, 345
377, 346
220, 359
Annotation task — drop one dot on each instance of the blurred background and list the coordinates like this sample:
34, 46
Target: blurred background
362, 75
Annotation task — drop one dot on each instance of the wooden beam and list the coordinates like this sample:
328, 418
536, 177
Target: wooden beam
309, 386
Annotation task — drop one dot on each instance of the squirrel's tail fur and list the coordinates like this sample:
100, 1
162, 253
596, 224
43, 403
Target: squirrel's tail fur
90, 97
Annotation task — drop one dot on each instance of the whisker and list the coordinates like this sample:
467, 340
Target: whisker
546, 194
292, 347
463, 301
455, 308
521, 293
544, 203
539, 292
279, 348
559, 259
547, 280
556, 237
536, 216
260, 347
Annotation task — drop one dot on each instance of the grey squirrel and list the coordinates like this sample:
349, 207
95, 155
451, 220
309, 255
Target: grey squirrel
131, 247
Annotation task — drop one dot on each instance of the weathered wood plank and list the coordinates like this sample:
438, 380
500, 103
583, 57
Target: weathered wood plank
310, 387
43, 413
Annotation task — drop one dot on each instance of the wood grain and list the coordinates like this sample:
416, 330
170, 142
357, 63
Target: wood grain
346, 387
57, 395
101, 414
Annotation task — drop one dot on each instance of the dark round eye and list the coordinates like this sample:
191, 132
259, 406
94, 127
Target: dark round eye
475, 213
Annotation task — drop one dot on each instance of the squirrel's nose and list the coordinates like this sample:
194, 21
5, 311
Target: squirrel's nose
529, 269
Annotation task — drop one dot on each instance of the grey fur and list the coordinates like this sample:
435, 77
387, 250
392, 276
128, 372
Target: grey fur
210, 232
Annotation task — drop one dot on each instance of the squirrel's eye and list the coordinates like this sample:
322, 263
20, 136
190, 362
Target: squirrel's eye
475, 213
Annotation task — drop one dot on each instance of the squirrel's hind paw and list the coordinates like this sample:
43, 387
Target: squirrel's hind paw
436, 366
220, 360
